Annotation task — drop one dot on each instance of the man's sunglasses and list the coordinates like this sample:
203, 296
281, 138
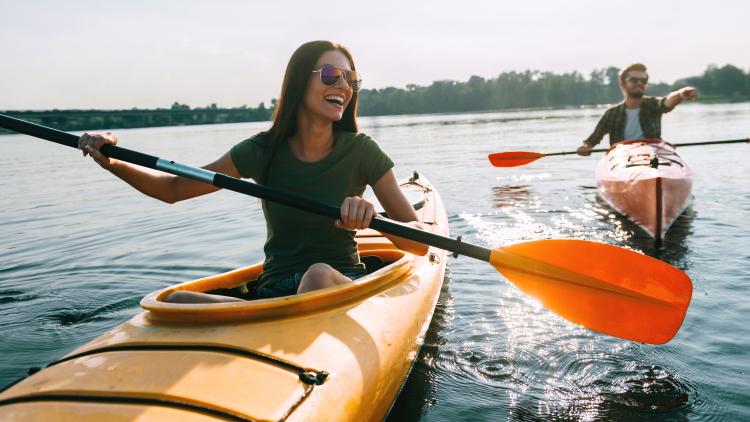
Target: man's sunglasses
635, 80
330, 74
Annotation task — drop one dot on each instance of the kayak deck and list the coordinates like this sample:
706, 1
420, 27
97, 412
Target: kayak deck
334, 354
646, 181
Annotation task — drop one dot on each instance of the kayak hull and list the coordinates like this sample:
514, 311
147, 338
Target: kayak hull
335, 354
646, 181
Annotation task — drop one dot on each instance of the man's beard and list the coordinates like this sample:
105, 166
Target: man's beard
636, 95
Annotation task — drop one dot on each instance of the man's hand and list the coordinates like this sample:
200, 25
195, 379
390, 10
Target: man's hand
689, 93
584, 150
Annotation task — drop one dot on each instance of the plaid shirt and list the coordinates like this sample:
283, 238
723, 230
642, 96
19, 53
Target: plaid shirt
613, 121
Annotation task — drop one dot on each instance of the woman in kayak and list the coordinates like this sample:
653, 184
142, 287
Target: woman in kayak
313, 148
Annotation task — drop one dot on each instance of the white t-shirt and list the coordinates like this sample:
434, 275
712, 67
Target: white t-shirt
633, 128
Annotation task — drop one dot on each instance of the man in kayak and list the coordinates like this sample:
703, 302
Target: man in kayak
313, 148
638, 116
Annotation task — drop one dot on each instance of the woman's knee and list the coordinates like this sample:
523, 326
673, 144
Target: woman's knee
318, 271
319, 276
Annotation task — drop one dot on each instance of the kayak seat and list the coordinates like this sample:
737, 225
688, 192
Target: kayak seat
372, 263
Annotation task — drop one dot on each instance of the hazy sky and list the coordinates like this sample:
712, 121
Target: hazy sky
107, 54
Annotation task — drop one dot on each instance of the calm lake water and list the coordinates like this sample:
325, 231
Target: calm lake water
79, 248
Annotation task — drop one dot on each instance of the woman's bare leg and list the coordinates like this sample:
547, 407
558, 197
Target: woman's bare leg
320, 276
184, 296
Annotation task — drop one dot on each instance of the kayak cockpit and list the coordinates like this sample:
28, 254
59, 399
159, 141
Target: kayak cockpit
397, 269
391, 268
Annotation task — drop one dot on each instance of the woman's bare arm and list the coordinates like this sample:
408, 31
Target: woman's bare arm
398, 208
162, 186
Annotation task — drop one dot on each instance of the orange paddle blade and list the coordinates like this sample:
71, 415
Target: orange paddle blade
605, 288
513, 159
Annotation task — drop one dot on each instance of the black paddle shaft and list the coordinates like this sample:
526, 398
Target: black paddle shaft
687, 144
259, 191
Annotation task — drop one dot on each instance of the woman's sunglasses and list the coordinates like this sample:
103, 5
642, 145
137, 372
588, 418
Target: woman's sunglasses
330, 74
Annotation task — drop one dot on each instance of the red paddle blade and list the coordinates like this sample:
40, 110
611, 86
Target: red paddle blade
513, 159
605, 288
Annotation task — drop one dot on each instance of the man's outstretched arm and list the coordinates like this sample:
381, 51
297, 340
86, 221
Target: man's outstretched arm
676, 97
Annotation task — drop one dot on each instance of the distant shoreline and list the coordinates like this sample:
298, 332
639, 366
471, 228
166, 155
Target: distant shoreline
82, 120
508, 91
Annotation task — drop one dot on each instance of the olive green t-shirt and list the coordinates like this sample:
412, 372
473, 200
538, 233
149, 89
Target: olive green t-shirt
297, 239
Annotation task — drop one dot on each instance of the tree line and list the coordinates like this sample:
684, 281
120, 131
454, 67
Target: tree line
540, 89
527, 89
177, 115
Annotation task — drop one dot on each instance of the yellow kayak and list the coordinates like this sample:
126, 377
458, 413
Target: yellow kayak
337, 354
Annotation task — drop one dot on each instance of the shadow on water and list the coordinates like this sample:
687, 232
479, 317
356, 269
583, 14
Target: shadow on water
675, 245
672, 249
420, 385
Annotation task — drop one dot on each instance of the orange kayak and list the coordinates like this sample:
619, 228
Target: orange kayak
647, 181
337, 354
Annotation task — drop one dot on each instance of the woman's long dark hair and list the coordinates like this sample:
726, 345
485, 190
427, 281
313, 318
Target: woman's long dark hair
298, 72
